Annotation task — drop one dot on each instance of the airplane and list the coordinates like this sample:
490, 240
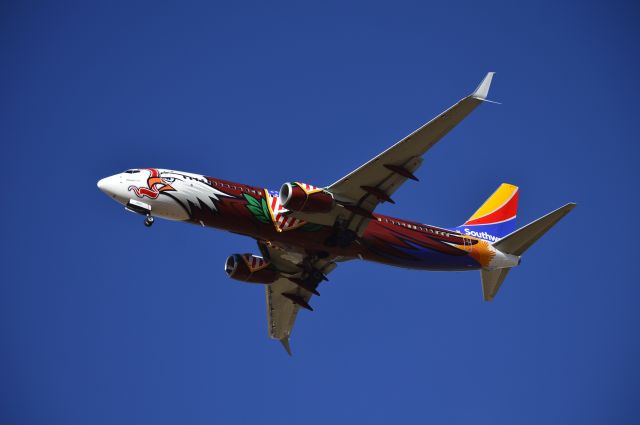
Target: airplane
303, 231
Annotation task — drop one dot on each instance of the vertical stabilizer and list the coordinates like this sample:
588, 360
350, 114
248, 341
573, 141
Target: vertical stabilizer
496, 218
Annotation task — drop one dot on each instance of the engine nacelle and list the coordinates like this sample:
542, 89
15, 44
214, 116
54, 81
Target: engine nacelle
305, 198
250, 268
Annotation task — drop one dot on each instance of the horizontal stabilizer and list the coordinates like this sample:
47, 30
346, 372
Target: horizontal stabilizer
519, 241
491, 281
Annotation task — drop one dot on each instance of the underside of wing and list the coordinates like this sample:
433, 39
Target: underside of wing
301, 274
358, 193
281, 311
399, 158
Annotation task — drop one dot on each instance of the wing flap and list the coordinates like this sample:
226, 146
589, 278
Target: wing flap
357, 223
281, 312
284, 297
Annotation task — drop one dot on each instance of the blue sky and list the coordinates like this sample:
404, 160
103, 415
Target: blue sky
104, 321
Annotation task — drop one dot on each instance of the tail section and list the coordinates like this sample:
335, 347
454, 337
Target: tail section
517, 243
491, 281
496, 218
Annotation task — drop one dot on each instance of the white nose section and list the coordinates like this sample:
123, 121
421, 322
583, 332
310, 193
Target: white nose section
102, 184
109, 185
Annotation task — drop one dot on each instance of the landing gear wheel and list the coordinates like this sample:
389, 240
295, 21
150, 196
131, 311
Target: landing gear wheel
148, 221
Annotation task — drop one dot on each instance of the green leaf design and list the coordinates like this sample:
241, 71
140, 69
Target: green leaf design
251, 200
265, 209
254, 210
258, 209
263, 219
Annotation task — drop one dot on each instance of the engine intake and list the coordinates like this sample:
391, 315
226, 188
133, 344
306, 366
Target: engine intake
305, 198
250, 268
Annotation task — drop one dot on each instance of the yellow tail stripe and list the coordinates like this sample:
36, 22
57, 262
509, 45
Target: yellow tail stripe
495, 201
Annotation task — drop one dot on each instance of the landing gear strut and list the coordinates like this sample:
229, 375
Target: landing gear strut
140, 208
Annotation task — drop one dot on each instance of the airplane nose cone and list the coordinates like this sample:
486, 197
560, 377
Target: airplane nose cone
102, 184
109, 185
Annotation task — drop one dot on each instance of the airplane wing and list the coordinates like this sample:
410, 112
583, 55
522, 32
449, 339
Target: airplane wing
374, 182
301, 275
281, 311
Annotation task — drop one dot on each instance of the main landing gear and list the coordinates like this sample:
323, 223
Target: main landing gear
148, 220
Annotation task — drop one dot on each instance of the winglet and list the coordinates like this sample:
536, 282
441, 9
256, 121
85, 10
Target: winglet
483, 89
285, 344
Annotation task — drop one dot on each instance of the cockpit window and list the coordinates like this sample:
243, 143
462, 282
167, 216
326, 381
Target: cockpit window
132, 171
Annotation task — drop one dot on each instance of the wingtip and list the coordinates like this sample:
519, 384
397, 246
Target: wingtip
287, 347
482, 91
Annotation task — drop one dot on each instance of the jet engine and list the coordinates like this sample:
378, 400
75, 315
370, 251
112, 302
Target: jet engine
250, 268
305, 198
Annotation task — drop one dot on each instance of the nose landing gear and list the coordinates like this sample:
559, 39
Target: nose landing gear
148, 221
141, 208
